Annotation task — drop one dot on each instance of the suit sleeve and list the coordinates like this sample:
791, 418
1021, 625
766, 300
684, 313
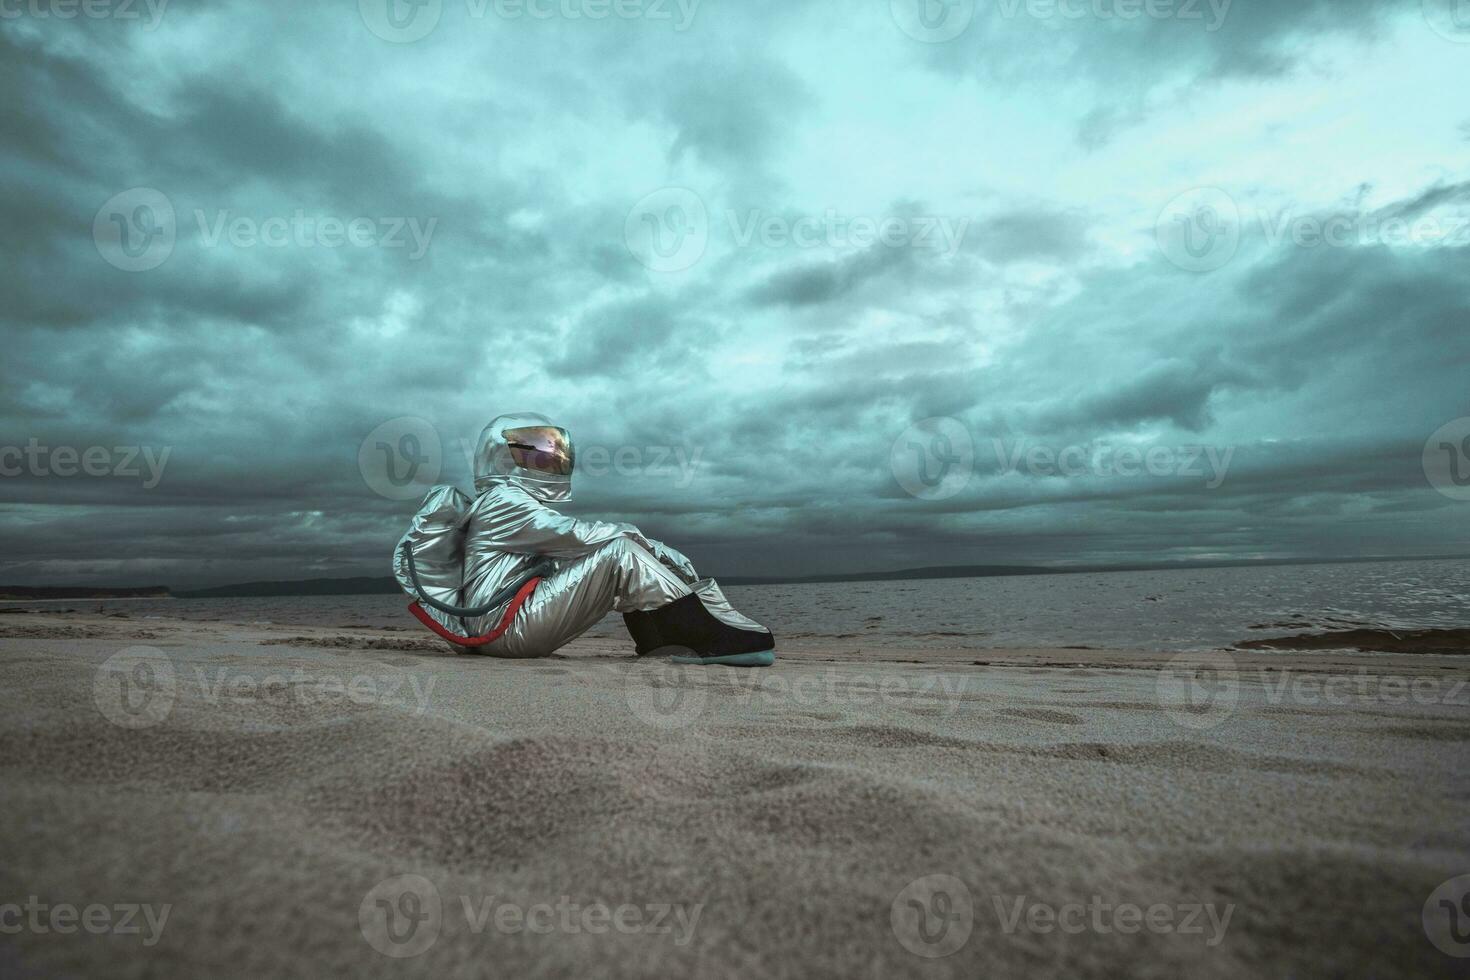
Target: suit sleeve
540, 530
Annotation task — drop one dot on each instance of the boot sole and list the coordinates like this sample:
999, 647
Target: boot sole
763, 658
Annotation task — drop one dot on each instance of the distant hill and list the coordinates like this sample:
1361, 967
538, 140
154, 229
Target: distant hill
385, 585
940, 571
82, 592
986, 571
363, 585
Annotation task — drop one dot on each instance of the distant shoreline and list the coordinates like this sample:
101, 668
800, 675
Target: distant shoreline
80, 595
385, 585
88, 598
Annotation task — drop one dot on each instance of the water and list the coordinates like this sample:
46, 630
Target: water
1180, 609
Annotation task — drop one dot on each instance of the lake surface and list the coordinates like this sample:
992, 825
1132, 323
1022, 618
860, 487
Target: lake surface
1178, 609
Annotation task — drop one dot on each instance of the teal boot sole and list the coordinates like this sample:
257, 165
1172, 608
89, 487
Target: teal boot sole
763, 658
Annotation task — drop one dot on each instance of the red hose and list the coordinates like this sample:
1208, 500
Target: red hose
490, 637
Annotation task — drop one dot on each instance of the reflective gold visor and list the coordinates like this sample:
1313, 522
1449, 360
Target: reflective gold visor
542, 448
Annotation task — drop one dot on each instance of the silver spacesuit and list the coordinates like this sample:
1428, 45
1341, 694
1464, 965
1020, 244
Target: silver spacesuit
507, 567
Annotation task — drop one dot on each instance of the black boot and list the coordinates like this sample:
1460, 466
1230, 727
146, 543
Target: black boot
686, 623
644, 631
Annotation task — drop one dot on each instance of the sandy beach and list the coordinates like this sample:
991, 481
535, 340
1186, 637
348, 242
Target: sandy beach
187, 799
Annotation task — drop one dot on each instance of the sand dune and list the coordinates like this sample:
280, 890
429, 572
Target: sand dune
591, 814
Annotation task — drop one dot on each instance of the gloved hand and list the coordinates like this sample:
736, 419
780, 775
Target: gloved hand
670, 558
675, 561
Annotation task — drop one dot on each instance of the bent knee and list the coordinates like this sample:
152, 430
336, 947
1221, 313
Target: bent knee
618, 547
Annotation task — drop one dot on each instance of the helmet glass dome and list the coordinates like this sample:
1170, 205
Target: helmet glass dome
529, 451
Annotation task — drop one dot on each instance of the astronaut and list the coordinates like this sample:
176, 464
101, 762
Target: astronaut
508, 575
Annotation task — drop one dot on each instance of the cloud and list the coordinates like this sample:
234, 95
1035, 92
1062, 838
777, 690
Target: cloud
1035, 233
772, 379
1124, 64
822, 281
646, 333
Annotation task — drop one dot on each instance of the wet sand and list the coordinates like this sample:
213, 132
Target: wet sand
357, 802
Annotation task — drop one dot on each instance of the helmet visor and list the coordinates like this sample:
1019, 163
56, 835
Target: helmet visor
541, 448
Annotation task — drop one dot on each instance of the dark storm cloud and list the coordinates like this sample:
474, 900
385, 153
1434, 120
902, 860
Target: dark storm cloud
1122, 62
1426, 201
1030, 234
1177, 391
732, 113
219, 137
820, 282
635, 334
759, 393
1197, 40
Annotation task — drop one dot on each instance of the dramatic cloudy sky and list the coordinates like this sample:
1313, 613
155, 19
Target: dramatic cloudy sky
870, 267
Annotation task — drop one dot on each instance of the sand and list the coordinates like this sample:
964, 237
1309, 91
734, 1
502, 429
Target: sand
287, 801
